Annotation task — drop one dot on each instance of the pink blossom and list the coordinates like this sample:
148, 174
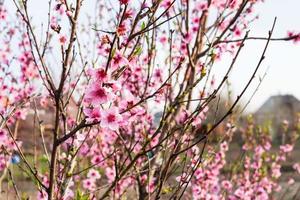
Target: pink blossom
99, 75
182, 116
96, 160
69, 13
226, 185
96, 94
296, 167
276, 170
151, 186
44, 101
124, 1
295, 36
21, 114
119, 60
111, 119
93, 114
262, 194
93, 174
89, 184
3, 137
291, 181
224, 146
158, 75
267, 146
62, 40
42, 195
286, 148
166, 3
163, 40
200, 118
110, 174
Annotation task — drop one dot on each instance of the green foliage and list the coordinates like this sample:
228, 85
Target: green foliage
43, 164
24, 196
143, 26
81, 196
138, 51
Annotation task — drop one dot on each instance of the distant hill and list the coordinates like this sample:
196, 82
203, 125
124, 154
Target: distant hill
276, 109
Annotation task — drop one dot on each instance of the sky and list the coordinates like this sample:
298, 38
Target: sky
282, 58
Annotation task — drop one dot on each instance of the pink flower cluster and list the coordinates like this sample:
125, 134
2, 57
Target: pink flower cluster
102, 92
255, 177
104, 105
7, 147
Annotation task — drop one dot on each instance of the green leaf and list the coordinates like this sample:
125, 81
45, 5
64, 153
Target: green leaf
143, 26
138, 51
81, 196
